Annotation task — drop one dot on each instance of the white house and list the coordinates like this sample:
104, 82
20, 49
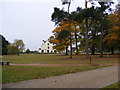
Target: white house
46, 47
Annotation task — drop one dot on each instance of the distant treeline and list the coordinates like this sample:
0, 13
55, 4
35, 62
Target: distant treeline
17, 47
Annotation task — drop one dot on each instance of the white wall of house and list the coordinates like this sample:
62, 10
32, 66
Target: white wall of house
46, 47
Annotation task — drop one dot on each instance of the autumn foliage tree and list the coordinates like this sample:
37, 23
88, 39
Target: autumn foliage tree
101, 28
112, 38
61, 37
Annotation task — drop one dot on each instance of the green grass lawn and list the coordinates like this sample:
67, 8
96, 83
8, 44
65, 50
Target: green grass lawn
112, 86
116, 85
20, 73
58, 59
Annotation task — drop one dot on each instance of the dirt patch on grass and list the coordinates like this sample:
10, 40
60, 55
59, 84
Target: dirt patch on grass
49, 64
63, 64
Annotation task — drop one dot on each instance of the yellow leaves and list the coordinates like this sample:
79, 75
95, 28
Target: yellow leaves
51, 37
71, 27
66, 38
114, 17
59, 47
72, 35
114, 34
64, 25
63, 41
115, 28
74, 23
67, 42
57, 29
54, 41
63, 22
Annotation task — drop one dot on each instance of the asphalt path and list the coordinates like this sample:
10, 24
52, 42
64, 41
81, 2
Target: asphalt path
96, 78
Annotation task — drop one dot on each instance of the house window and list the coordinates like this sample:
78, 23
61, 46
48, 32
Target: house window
42, 51
55, 51
48, 47
48, 51
48, 43
39, 48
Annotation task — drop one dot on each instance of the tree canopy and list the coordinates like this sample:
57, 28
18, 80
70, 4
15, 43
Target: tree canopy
102, 28
3, 45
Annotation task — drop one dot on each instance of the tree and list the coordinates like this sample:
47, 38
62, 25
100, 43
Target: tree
20, 45
94, 37
103, 14
3, 45
112, 38
12, 49
86, 17
58, 15
92, 24
76, 30
61, 37
27, 51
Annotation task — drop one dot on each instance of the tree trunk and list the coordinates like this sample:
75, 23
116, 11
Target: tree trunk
70, 47
66, 50
101, 43
93, 52
76, 41
112, 50
86, 35
70, 32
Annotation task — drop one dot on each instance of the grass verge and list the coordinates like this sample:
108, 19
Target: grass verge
113, 86
21, 73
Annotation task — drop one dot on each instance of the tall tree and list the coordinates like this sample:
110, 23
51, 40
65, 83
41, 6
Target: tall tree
58, 15
112, 38
68, 17
12, 49
94, 37
20, 45
76, 29
102, 11
61, 37
86, 33
86, 16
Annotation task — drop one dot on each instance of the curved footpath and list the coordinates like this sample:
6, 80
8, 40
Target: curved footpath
97, 78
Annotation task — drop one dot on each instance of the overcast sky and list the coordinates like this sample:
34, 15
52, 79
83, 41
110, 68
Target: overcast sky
30, 20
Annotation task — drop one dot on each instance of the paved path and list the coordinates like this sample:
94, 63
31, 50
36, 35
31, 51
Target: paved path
88, 79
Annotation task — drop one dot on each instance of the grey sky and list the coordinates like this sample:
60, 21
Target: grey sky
30, 20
